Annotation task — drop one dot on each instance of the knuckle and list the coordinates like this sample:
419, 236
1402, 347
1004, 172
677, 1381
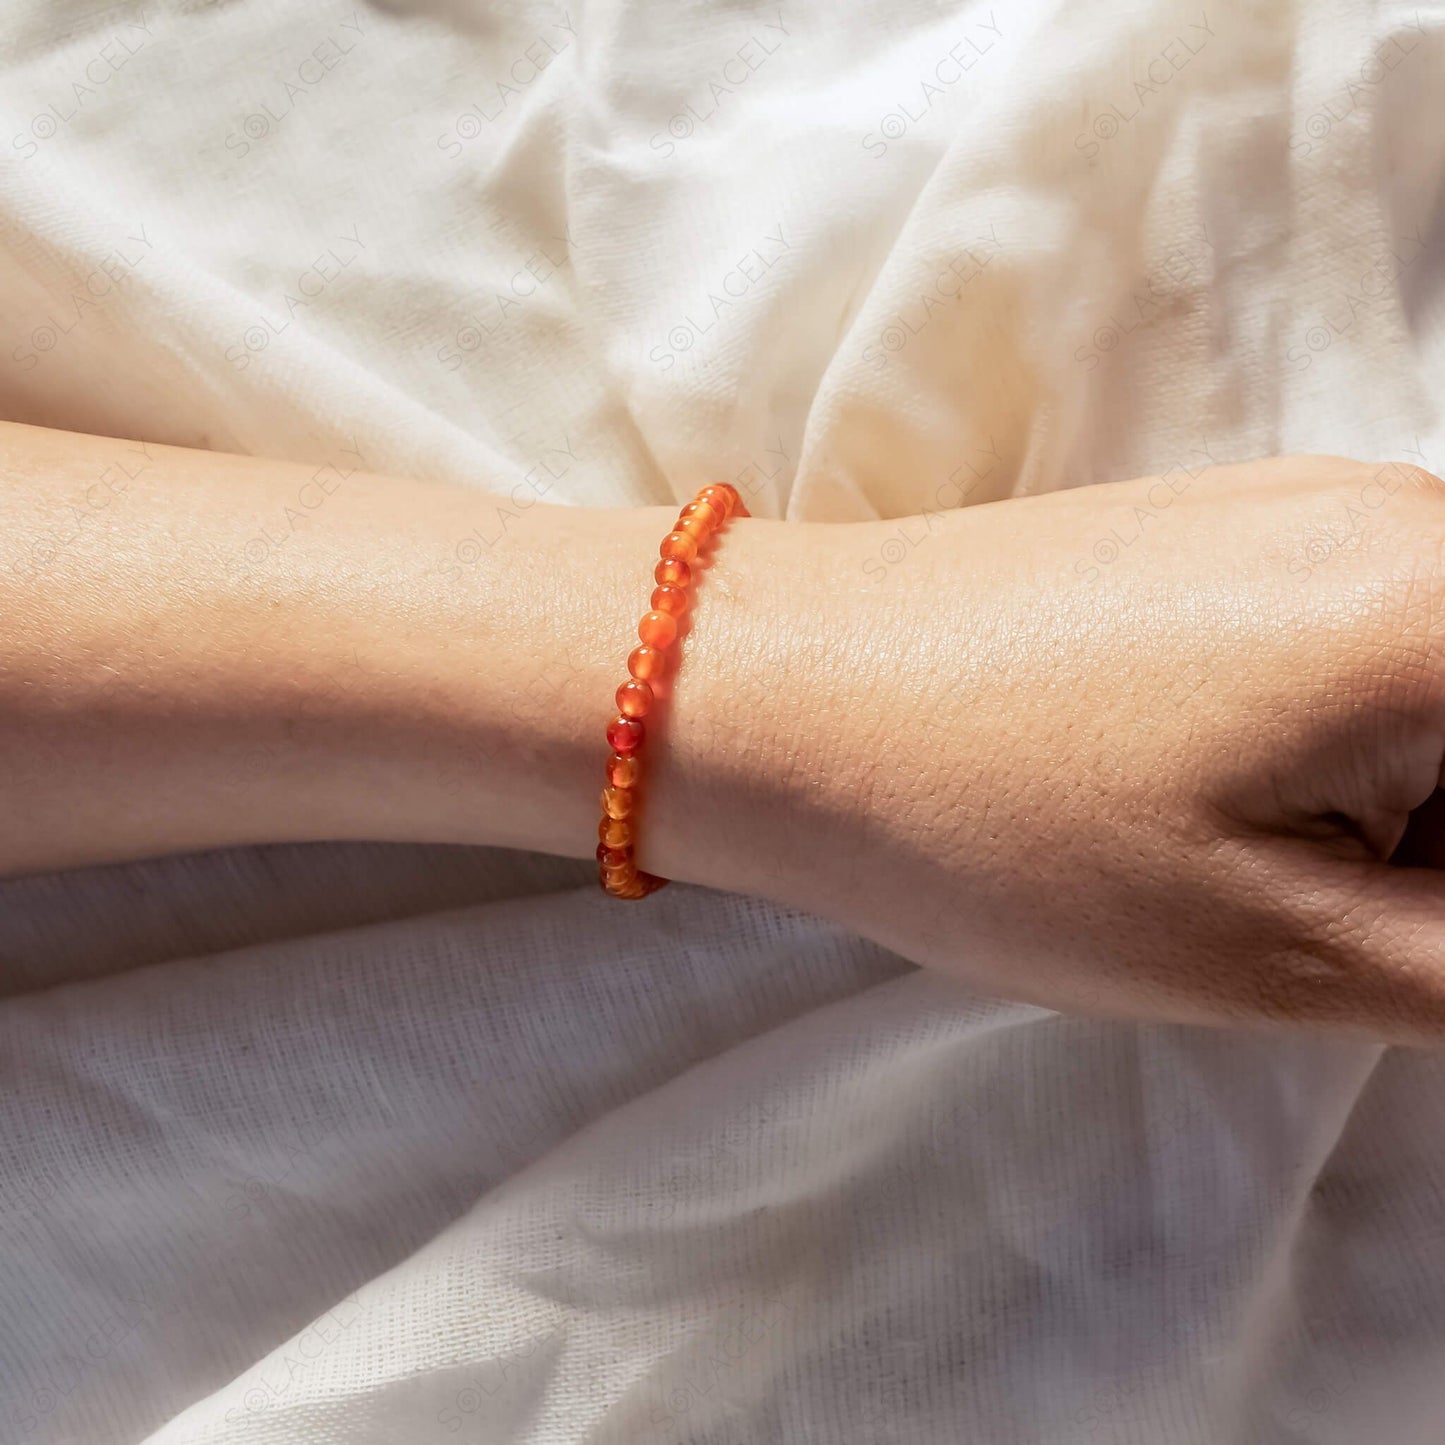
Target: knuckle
1413, 479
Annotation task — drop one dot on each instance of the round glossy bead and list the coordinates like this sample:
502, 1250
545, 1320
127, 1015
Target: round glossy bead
622, 772
618, 872
625, 734
668, 598
646, 663
634, 698
657, 629
703, 511
679, 545
721, 495
618, 802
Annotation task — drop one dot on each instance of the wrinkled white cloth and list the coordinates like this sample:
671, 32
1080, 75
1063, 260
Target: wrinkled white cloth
370, 1144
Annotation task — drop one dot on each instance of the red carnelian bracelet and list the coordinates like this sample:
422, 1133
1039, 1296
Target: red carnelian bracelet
697, 521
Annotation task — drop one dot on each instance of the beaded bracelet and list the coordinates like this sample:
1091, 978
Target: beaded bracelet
708, 511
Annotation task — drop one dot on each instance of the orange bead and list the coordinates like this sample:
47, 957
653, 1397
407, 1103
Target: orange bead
622, 772
722, 495
618, 802
634, 698
668, 598
679, 545
657, 629
625, 734
646, 663
710, 509
705, 511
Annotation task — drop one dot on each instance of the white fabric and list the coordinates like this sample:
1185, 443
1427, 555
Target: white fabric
376, 1144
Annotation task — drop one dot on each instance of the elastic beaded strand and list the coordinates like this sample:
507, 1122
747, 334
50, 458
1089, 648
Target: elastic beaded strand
707, 513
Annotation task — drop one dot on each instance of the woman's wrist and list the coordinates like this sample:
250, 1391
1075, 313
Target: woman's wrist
770, 733
736, 748
758, 783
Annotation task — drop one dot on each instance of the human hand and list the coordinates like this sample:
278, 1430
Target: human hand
1163, 788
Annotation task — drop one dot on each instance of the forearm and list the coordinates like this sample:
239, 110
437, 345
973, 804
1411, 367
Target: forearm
395, 663
1163, 788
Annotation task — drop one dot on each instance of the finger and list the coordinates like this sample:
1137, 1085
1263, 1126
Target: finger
1367, 948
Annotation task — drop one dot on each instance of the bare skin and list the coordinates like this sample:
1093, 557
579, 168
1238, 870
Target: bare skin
1165, 787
